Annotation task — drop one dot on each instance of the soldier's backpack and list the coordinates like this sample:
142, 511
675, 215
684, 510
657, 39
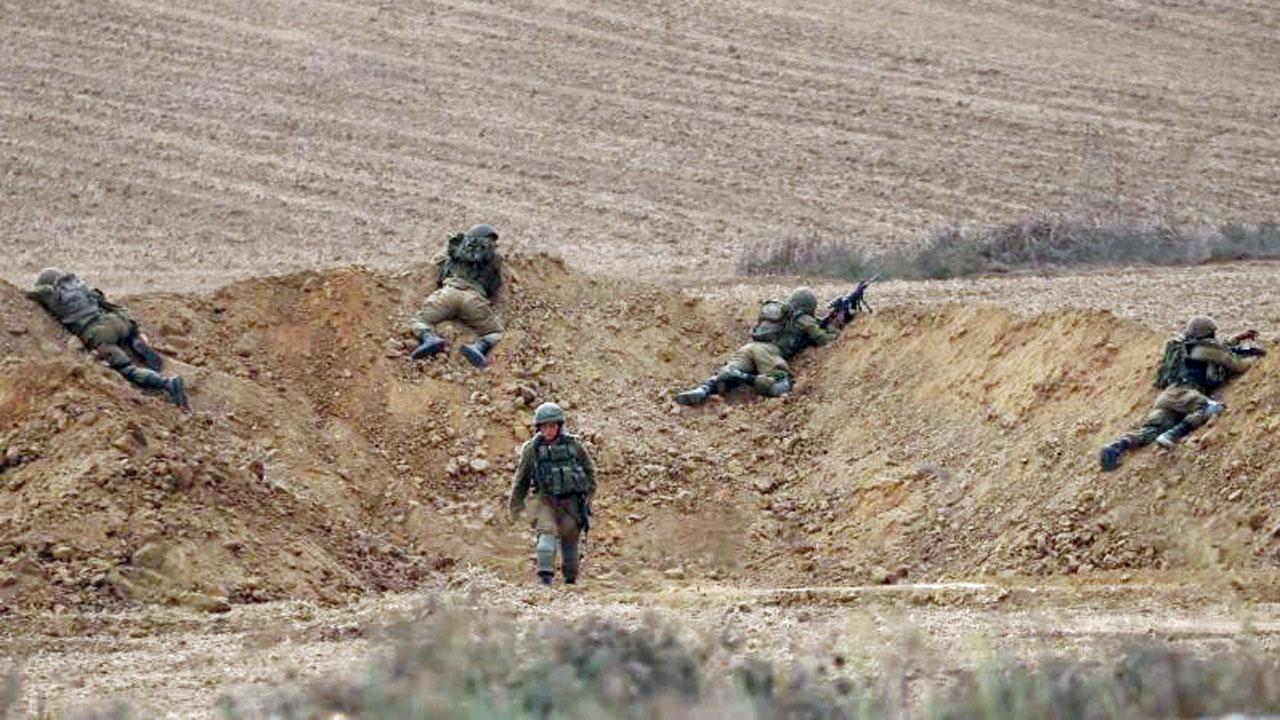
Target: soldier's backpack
772, 321
470, 249
1173, 365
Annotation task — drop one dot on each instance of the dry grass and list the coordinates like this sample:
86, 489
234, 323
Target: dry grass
1035, 244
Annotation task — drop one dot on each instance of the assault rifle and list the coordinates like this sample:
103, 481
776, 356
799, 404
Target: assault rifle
841, 310
1238, 347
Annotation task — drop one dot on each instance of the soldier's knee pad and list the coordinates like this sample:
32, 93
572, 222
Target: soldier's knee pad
546, 552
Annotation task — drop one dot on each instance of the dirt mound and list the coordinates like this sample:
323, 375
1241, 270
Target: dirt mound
321, 463
956, 442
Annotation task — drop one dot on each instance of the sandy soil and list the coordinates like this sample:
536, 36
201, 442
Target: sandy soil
223, 164
187, 143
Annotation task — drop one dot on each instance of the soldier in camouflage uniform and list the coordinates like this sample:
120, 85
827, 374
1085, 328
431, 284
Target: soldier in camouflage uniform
1185, 404
106, 329
762, 363
467, 278
556, 466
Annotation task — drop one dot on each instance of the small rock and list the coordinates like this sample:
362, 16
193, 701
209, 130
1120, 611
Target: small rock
675, 573
479, 464
62, 553
204, 603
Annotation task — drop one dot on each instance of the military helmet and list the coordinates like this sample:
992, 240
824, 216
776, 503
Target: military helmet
49, 276
482, 231
802, 300
548, 412
1200, 327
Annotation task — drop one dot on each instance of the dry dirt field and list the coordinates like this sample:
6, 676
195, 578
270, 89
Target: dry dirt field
265, 181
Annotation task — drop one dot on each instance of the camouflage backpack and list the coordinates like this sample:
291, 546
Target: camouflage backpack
472, 249
1173, 365
772, 321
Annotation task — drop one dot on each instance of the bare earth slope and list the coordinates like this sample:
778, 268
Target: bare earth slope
929, 442
192, 142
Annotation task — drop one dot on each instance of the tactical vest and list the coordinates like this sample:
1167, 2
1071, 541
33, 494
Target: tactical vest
73, 302
557, 469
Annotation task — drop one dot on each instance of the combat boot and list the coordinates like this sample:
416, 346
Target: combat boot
431, 344
545, 578
477, 353
149, 356
1170, 437
1110, 456
177, 391
698, 395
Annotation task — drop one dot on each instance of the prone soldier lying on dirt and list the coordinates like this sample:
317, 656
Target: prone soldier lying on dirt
106, 329
467, 278
562, 475
1193, 367
781, 332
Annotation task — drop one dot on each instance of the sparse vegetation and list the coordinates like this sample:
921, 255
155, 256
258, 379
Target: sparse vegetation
447, 667
1036, 243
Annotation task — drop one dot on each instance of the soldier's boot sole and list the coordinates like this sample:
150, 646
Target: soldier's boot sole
692, 397
430, 346
1110, 458
476, 356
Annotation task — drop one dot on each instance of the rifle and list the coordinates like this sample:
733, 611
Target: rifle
842, 309
1237, 347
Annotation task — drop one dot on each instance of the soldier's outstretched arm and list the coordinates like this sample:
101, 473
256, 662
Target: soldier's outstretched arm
1221, 356
42, 294
815, 333
520, 484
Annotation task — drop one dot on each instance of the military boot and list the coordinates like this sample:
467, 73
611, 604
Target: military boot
1110, 456
177, 391
544, 578
431, 344
477, 353
569, 562
1170, 437
149, 356
698, 395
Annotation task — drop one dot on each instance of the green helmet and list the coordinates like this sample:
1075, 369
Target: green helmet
49, 276
548, 412
1201, 327
803, 301
482, 231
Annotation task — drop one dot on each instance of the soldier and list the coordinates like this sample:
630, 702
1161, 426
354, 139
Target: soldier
1193, 367
106, 329
780, 333
467, 278
563, 479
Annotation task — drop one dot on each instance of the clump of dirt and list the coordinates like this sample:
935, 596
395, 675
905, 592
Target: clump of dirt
321, 463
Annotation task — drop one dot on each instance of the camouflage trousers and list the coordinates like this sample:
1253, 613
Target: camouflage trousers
1178, 403
111, 337
461, 303
761, 359
558, 521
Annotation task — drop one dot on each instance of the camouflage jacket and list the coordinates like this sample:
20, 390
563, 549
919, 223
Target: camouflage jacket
802, 331
74, 304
